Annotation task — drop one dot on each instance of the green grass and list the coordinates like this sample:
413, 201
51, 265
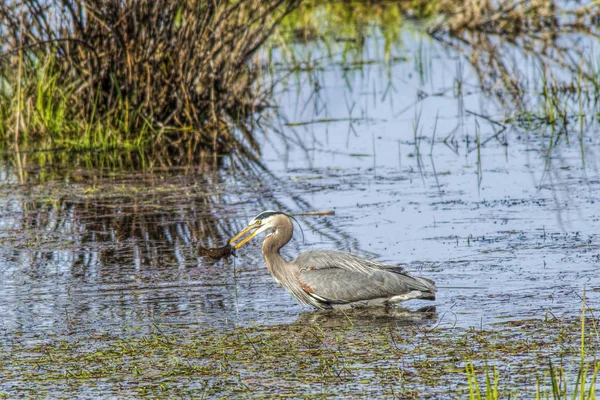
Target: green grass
134, 74
488, 35
328, 356
491, 383
555, 382
38, 111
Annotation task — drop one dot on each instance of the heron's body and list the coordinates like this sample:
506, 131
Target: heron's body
330, 279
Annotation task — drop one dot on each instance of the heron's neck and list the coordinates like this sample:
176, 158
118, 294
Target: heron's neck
271, 246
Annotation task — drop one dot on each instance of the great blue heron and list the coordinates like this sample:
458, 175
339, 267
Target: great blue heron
329, 279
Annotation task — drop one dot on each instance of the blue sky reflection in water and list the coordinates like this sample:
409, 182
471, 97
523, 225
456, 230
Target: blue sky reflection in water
505, 230
509, 226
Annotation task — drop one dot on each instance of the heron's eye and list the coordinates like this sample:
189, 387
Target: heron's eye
258, 222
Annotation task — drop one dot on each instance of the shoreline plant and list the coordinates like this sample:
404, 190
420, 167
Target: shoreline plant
107, 74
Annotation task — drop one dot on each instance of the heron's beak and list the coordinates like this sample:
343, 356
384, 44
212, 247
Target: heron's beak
241, 234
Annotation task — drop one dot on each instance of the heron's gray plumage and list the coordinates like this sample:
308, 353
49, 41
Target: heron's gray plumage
331, 259
343, 278
330, 279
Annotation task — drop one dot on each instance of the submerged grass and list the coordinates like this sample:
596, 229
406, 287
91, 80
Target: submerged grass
556, 382
303, 359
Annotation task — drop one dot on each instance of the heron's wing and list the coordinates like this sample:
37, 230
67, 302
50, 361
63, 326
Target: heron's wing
336, 285
341, 278
325, 259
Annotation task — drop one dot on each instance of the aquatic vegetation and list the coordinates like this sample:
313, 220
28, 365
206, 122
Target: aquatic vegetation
107, 74
556, 382
401, 358
502, 42
105, 290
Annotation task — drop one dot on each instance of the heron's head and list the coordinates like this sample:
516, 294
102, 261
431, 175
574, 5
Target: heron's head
265, 221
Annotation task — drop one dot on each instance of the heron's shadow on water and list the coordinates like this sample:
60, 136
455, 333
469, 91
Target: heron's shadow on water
370, 317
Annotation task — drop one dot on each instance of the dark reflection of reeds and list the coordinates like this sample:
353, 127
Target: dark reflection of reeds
122, 213
153, 218
115, 238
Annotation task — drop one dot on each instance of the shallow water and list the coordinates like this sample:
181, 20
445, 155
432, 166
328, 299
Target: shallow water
508, 228
510, 225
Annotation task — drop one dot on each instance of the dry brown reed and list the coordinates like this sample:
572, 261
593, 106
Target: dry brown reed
488, 32
182, 69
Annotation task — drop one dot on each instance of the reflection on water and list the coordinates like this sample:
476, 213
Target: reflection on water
470, 156
370, 317
104, 251
422, 165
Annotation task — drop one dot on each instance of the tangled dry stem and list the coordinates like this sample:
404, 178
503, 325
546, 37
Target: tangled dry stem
488, 31
177, 66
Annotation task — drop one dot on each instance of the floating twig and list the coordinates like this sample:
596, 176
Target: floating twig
312, 213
